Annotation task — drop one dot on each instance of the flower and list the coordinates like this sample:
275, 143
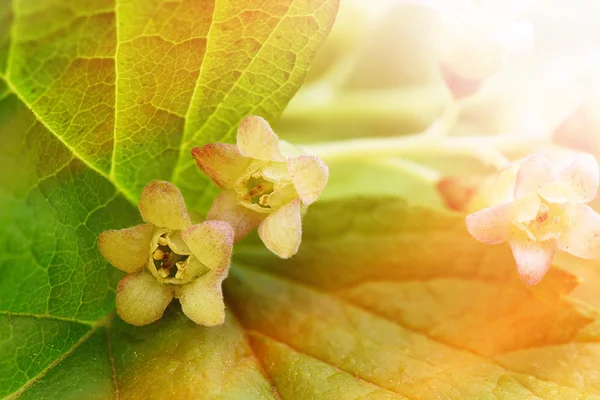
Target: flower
473, 41
168, 257
262, 186
540, 209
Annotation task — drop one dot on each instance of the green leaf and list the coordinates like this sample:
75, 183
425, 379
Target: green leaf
384, 301
52, 207
96, 99
83, 371
132, 87
30, 344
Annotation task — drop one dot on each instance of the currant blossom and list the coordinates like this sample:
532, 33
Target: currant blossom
540, 209
262, 186
473, 41
168, 257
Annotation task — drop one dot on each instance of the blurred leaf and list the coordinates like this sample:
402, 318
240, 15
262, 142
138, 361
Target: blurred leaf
319, 115
376, 75
96, 99
345, 37
399, 178
588, 274
398, 51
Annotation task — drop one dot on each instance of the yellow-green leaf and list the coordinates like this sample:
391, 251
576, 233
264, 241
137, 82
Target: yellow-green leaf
96, 99
405, 300
177, 359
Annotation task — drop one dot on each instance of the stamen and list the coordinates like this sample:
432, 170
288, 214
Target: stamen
160, 255
264, 200
181, 265
163, 272
162, 241
256, 191
542, 217
256, 187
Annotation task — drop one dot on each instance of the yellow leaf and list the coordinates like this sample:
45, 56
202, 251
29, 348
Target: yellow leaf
405, 301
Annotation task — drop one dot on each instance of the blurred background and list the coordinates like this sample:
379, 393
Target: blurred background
522, 73
494, 80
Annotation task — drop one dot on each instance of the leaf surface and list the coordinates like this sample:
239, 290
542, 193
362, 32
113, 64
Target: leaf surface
384, 300
96, 99
404, 299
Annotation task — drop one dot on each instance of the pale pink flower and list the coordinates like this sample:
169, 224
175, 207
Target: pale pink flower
473, 41
262, 186
540, 209
168, 257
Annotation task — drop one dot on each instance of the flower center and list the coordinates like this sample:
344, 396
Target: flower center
166, 261
259, 190
265, 187
548, 223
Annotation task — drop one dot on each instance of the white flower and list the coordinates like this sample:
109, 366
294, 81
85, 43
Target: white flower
539, 210
169, 257
262, 186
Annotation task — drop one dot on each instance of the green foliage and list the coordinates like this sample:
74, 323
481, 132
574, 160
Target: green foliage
384, 300
96, 99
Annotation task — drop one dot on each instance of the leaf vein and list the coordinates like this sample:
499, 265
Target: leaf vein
255, 357
112, 364
47, 316
120, 188
395, 322
39, 376
297, 350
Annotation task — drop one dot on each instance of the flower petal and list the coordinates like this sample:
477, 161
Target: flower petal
502, 187
290, 150
176, 243
282, 196
221, 162
127, 249
309, 174
578, 183
459, 86
226, 208
583, 237
141, 299
281, 231
491, 225
202, 300
211, 242
526, 209
276, 172
534, 172
193, 269
256, 139
533, 258
162, 205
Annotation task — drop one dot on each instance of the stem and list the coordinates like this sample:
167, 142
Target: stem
489, 149
424, 173
322, 103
